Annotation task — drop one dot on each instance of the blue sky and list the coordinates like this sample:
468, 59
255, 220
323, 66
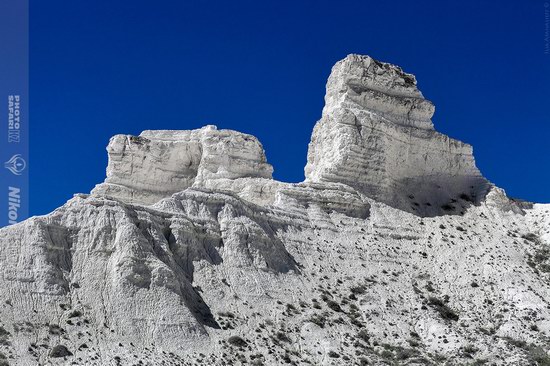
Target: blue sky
98, 68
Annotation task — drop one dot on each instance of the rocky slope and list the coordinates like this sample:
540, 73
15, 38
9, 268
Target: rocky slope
395, 250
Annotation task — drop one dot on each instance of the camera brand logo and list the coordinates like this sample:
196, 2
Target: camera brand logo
16, 164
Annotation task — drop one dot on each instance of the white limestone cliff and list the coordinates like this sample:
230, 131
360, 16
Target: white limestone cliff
394, 250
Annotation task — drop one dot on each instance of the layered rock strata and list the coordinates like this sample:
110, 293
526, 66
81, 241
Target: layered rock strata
391, 251
376, 135
156, 164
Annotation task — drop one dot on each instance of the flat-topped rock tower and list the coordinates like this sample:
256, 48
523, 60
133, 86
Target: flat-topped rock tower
156, 164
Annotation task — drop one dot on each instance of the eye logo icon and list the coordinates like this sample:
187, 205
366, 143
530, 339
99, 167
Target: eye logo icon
16, 164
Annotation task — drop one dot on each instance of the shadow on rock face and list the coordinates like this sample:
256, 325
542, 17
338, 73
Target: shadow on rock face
438, 197
178, 248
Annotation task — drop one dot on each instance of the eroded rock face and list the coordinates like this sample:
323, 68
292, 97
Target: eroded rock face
376, 135
200, 277
191, 254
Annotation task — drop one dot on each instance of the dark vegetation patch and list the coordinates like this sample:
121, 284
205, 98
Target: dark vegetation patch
4, 332
4, 335
55, 329
236, 341
75, 314
319, 319
333, 305
358, 290
60, 351
364, 335
3, 360
398, 354
466, 197
531, 237
469, 350
444, 311
283, 337
447, 207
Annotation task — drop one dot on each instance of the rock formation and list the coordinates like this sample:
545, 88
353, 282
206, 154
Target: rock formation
376, 135
394, 250
156, 164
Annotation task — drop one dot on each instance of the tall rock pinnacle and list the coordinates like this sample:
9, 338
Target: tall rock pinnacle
376, 135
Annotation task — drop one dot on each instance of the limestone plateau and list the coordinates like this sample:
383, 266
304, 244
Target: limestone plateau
395, 250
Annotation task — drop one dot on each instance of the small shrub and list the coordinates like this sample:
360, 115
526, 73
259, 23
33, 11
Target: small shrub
286, 358
364, 335
413, 343
55, 329
519, 343
444, 311
319, 320
283, 337
430, 287
75, 314
402, 353
358, 290
60, 351
333, 305
4, 335
447, 207
469, 350
236, 341
480, 361
356, 322
531, 237
490, 331
226, 314
387, 354
466, 197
